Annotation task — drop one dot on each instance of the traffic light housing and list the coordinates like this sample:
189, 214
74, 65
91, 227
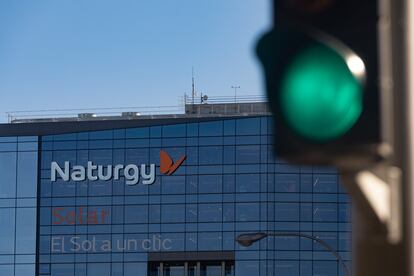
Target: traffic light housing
322, 80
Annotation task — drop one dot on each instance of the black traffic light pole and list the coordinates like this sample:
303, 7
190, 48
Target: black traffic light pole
374, 157
406, 97
374, 254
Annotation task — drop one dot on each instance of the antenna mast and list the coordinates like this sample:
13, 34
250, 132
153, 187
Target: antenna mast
193, 86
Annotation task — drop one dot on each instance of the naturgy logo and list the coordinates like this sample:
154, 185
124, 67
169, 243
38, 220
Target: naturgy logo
167, 165
132, 173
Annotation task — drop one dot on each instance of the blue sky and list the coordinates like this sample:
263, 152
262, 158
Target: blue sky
100, 53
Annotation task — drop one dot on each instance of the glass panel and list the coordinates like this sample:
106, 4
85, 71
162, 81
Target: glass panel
8, 139
173, 269
229, 127
288, 268
210, 184
325, 183
325, 212
247, 212
210, 155
174, 131
247, 268
192, 129
136, 214
7, 222
247, 183
26, 231
288, 183
106, 134
28, 146
8, 174
27, 174
8, 146
211, 128
325, 268
27, 138
211, 270
137, 132
99, 269
210, 212
24, 270
210, 241
6, 270
173, 213
62, 270
287, 212
248, 126
134, 269
247, 154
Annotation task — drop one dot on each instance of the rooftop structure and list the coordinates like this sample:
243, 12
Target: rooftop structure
191, 107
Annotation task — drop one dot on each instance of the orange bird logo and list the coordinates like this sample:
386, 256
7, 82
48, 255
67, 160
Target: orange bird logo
167, 165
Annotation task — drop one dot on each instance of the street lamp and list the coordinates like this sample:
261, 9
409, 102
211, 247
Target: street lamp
248, 239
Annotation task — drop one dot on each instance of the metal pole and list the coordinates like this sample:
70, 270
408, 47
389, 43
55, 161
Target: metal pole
409, 100
235, 93
373, 253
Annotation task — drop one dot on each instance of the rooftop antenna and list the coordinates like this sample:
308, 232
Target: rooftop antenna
193, 92
235, 92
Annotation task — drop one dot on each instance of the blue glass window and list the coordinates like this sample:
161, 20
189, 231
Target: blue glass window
24, 270
8, 174
247, 154
192, 129
325, 212
247, 183
98, 135
247, 212
210, 155
287, 183
7, 270
101, 269
136, 214
210, 241
137, 133
249, 126
27, 174
210, 184
25, 231
7, 237
229, 127
210, 212
155, 131
133, 269
325, 268
287, 268
174, 130
325, 183
247, 268
173, 213
211, 128
173, 184
286, 211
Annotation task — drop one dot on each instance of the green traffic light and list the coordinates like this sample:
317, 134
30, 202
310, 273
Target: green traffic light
321, 93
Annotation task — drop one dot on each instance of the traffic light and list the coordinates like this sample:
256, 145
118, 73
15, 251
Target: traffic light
322, 80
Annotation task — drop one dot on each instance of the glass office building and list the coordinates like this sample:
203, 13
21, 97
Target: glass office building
163, 196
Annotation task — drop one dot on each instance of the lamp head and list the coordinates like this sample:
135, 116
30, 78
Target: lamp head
248, 239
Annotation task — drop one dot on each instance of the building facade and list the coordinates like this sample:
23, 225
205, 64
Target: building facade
163, 197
